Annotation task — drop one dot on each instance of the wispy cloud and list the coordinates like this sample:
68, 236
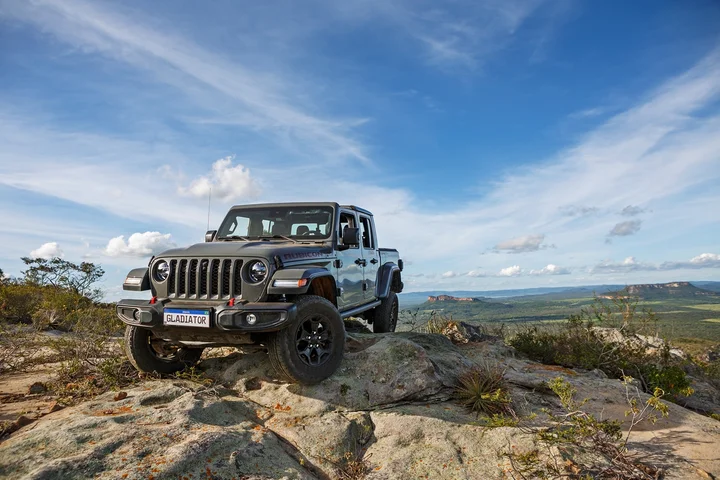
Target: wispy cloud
632, 210
577, 210
265, 99
527, 243
623, 229
457, 35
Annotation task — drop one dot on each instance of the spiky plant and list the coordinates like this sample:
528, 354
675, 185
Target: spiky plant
482, 389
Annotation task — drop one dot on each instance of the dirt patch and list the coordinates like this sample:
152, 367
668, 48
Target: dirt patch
15, 399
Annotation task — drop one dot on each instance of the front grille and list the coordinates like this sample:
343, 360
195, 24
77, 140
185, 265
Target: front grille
205, 278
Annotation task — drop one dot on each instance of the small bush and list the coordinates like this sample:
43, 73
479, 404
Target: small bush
437, 323
484, 390
586, 447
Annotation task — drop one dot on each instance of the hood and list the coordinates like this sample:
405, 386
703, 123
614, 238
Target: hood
286, 250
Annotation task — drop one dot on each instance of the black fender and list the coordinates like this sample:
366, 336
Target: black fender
138, 280
297, 275
385, 279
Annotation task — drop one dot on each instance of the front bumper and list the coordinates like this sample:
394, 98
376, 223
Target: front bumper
271, 316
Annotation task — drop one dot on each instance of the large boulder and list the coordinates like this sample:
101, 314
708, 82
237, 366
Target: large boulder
387, 413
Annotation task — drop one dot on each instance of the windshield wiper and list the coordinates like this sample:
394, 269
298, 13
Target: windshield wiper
232, 237
280, 236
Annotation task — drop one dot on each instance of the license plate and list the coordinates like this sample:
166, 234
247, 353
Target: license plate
187, 318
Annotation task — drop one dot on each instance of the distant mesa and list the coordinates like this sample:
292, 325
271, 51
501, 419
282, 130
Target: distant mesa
662, 290
450, 298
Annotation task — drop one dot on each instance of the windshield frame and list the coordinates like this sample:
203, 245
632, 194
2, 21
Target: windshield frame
238, 210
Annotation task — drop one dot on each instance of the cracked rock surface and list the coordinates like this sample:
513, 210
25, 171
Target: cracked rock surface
389, 404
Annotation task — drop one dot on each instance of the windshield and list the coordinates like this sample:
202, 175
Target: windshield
295, 222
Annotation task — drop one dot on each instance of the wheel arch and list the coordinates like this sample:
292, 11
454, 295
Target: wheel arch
320, 282
389, 280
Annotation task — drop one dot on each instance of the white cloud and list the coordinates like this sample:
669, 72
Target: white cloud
513, 271
475, 274
704, 260
139, 244
227, 182
47, 250
630, 264
624, 229
528, 243
551, 269
449, 274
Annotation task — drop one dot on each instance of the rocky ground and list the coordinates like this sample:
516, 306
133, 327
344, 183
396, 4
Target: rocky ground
388, 411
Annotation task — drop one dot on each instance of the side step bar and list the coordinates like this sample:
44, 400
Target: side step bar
360, 309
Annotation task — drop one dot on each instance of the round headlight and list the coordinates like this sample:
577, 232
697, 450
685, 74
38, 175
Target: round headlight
257, 271
162, 271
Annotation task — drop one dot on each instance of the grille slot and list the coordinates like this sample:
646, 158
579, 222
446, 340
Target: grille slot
204, 265
171, 276
182, 277
226, 284
237, 277
214, 277
192, 277
205, 278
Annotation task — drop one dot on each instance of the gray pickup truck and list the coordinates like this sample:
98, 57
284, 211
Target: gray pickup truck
282, 275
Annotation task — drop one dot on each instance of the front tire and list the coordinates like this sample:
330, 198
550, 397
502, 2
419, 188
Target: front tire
149, 353
311, 348
385, 316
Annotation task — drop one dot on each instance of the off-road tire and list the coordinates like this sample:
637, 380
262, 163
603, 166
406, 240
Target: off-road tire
385, 315
291, 355
144, 358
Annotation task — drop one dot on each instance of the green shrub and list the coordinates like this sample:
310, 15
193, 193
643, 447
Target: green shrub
539, 345
19, 302
483, 389
577, 343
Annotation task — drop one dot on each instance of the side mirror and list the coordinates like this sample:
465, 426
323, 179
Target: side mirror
351, 237
210, 235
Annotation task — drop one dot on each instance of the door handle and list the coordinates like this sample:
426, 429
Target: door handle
374, 261
361, 261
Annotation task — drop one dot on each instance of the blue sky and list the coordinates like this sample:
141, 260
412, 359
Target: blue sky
500, 144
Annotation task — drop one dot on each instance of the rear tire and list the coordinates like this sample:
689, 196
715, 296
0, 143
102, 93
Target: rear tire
385, 315
311, 348
149, 353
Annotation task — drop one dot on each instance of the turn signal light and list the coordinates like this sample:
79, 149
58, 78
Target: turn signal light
291, 283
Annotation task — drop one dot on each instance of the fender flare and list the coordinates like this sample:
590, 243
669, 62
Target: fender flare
137, 280
385, 278
296, 274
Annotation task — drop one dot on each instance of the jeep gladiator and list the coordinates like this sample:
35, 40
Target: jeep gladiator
283, 275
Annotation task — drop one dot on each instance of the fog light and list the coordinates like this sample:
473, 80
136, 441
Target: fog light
250, 318
136, 315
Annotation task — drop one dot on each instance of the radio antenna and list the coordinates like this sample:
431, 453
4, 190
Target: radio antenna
209, 196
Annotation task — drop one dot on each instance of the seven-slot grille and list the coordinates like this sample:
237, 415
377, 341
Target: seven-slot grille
204, 278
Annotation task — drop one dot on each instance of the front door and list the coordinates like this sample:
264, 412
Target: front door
349, 270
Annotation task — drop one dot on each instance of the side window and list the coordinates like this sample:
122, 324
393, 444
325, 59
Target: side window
346, 220
366, 233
